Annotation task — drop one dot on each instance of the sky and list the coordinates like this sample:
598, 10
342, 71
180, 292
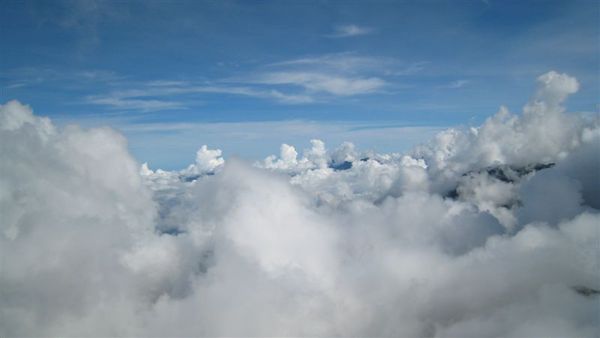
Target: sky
465, 204
483, 232
247, 76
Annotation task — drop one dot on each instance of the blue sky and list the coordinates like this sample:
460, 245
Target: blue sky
245, 76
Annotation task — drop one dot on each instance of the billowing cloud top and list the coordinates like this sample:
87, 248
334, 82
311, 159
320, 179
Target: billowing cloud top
489, 231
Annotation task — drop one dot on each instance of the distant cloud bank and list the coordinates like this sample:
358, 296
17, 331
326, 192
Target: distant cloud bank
487, 231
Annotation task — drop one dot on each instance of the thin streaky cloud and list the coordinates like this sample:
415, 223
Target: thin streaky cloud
352, 63
16, 85
32, 76
324, 83
134, 104
296, 81
345, 31
143, 99
342, 60
252, 92
167, 83
457, 84
409, 69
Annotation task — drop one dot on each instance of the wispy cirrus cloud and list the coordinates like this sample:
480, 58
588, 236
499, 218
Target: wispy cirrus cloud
327, 76
126, 103
254, 92
347, 62
308, 79
353, 63
35, 76
173, 95
305, 80
456, 84
350, 30
318, 82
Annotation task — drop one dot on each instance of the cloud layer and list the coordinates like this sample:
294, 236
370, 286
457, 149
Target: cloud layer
489, 231
292, 82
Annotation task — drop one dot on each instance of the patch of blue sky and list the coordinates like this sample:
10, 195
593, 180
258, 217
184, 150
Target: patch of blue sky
376, 63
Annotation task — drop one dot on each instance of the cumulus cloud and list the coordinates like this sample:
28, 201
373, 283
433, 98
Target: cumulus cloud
488, 231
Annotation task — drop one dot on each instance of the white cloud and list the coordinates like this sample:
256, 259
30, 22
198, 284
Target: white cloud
353, 63
345, 31
207, 161
254, 92
143, 99
484, 232
297, 81
332, 75
252, 140
144, 105
327, 83
457, 84
348, 62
